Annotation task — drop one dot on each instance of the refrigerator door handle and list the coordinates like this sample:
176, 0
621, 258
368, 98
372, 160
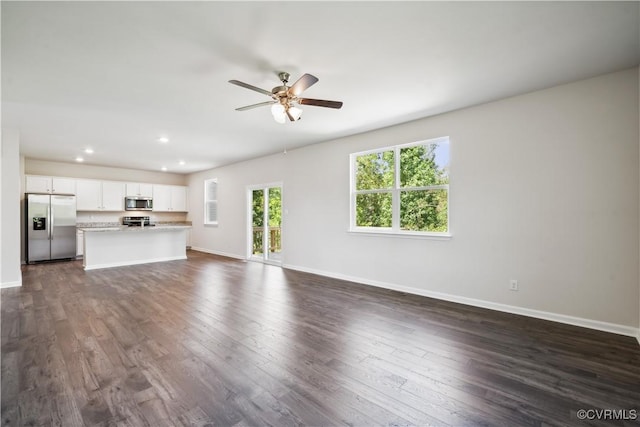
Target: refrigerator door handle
50, 222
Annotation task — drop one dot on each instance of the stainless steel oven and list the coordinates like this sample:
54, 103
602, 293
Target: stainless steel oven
138, 203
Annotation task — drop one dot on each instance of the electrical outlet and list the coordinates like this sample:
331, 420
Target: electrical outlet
513, 285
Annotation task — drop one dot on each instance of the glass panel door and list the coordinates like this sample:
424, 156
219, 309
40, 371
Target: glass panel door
266, 224
258, 214
274, 224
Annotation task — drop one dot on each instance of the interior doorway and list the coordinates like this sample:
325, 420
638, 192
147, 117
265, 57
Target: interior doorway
265, 223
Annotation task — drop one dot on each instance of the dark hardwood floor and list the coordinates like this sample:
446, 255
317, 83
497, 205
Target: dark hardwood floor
216, 341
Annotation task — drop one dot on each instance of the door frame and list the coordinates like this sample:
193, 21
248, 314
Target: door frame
249, 219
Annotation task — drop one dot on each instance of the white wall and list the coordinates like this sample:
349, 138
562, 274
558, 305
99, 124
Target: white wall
10, 274
544, 189
79, 170
229, 237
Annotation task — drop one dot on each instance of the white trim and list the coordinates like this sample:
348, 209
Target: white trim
263, 186
436, 140
212, 252
14, 284
125, 263
386, 232
267, 261
555, 317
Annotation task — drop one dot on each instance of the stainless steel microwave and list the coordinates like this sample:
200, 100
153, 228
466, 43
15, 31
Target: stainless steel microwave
138, 203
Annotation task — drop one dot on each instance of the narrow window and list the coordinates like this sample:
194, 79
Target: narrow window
211, 201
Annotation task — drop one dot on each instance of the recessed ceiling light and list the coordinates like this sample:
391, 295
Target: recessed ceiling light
79, 159
163, 169
182, 162
163, 140
88, 150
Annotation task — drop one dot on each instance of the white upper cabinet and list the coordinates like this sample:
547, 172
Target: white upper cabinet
63, 186
38, 184
97, 195
169, 198
135, 189
112, 196
161, 198
49, 185
88, 195
93, 195
179, 198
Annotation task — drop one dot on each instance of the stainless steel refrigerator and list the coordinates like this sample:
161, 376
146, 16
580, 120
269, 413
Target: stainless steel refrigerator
51, 227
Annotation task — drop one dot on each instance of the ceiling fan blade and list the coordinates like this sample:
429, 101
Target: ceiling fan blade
261, 104
248, 86
320, 102
303, 83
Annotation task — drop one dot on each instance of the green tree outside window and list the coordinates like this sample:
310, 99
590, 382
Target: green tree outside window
415, 176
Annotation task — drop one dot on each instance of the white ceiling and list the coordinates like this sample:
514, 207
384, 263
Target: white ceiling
115, 76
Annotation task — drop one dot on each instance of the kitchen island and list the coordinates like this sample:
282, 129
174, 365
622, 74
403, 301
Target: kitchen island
106, 247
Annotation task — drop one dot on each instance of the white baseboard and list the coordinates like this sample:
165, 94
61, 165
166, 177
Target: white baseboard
14, 284
227, 254
123, 264
555, 317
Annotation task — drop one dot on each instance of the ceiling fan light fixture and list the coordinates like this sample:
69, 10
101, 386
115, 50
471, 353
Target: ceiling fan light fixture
295, 112
286, 101
279, 113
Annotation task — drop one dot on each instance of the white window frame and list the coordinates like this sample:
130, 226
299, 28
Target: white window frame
208, 201
395, 191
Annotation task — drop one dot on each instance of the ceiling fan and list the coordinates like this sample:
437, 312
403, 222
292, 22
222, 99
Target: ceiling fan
285, 99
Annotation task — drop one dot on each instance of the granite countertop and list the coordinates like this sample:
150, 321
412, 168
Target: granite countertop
115, 226
135, 229
83, 225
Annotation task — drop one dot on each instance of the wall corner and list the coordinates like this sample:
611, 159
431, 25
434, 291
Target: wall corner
10, 272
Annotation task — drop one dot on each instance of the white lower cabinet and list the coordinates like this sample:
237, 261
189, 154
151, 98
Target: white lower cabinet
79, 242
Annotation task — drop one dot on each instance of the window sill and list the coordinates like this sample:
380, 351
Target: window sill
402, 234
210, 224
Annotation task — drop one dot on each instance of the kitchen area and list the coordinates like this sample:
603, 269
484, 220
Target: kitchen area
105, 223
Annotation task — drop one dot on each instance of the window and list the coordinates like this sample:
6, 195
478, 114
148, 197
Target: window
211, 202
403, 189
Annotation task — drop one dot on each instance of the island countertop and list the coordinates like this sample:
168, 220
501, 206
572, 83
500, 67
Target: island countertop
115, 245
127, 229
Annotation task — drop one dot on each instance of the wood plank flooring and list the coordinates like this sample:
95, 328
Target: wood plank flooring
215, 341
